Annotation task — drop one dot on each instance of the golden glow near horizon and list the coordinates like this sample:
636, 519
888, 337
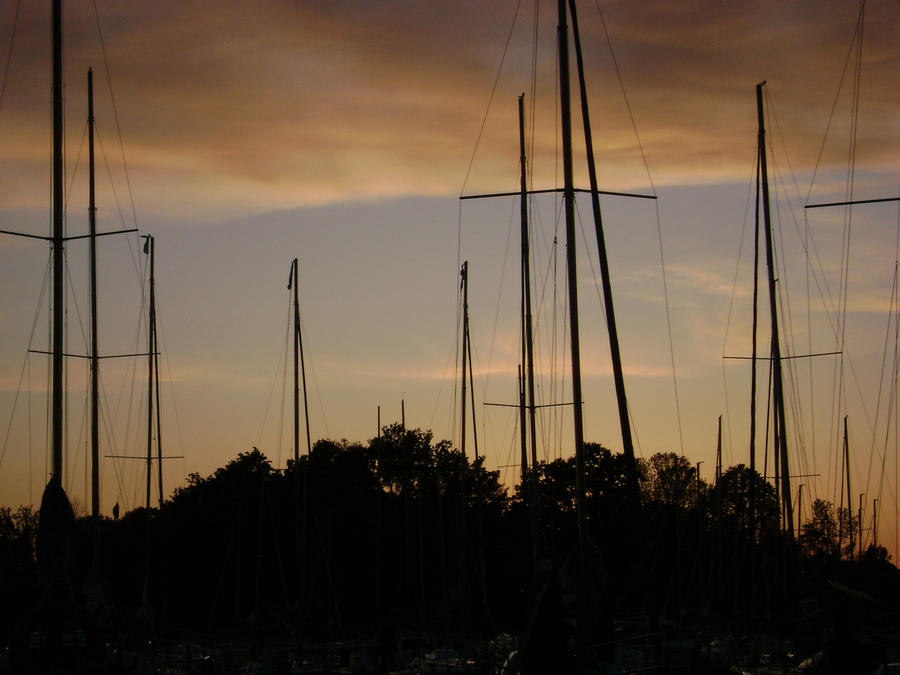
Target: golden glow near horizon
342, 135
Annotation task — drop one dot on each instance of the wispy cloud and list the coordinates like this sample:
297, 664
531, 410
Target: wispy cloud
291, 103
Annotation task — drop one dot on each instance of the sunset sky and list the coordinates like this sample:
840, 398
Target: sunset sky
343, 133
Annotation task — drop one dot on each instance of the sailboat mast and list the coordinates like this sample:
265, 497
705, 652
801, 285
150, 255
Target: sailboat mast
155, 356
148, 250
471, 386
299, 366
849, 494
293, 282
522, 435
302, 362
58, 252
719, 452
95, 350
777, 384
612, 331
753, 355
151, 344
464, 281
575, 345
528, 334
860, 517
569, 206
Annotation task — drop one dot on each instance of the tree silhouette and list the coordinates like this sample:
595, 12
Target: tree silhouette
404, 530
18, 568
735, 486
671, 480
819, 535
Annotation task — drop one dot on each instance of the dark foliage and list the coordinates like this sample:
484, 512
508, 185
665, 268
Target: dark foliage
18, 567
405, 531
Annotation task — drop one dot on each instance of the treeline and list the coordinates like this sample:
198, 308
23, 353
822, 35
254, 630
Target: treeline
406, 531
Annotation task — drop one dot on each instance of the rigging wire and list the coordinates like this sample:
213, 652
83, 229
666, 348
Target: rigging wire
564, 367
134, 259
9, 54
540, 327
892, 395
452, 355
474, 153
312, 369
115, 108
662, 261
665, 285
48, 375
535, 35
817, 270
78, 317
855, 49
107, 423
550, 281
896, 372
615, 62
28, 445
509, 235
130, 496
792, 396
280, 367
115, 193
26, 363
857, 35
83, 438
490, 101
161, 329
804, 235
884, 357
288, 334
457, 344
68, 197
751, 182
893, 383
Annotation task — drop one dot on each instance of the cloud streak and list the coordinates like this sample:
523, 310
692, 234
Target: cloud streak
296, 103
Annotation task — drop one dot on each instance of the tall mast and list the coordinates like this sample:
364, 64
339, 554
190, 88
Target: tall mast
719, 534
464, 283
302, 362
575, 345
58, 252
151, 348
299, 365
612, 331
753, 354
471, 385
520, 382
719, 452
293, 282
155, 356
849, 494
528, 332
95, 350
301, 484
777, 384
861, 496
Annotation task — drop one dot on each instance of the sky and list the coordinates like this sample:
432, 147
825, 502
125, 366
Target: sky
242, 135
